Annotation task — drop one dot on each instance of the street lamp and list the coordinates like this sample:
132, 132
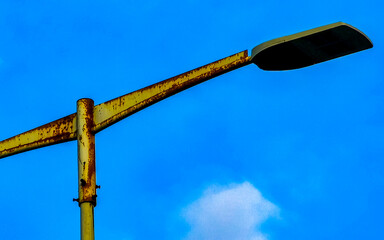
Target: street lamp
286, 53
310, 47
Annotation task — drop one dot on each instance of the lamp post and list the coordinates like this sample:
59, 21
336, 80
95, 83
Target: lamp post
286, 53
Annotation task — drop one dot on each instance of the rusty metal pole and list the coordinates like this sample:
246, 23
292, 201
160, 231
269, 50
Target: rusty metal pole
86, 167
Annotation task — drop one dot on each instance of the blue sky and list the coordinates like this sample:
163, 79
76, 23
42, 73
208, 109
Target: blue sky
248, 155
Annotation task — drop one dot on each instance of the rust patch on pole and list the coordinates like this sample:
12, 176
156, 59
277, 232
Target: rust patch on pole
86, 151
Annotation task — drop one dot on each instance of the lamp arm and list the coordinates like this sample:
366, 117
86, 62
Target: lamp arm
110, 112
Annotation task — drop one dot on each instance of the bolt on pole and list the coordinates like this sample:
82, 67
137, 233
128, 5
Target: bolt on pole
86, 167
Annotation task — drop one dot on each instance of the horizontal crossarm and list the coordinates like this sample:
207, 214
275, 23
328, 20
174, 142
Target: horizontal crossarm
110, 112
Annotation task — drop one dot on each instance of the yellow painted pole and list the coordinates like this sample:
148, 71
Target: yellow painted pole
86, 167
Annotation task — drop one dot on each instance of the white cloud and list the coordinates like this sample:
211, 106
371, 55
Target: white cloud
234, 212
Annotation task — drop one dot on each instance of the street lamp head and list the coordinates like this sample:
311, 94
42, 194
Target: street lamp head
310, 47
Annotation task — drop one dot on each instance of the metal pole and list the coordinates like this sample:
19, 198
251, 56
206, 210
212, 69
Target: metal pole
86, 167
